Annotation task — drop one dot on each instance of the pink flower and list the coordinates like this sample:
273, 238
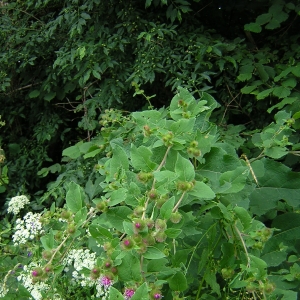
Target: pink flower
106, 282
157, 296
128, 293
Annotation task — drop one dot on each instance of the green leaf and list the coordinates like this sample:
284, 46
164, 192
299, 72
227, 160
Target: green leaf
117, 196
141, 293
178, 282
236, 178
153, 253
129, 269
264, 76
97, 231
281, 92
183, 126
184, 169
73, 151
34, 94
248, 89
80, 216
253, 27
277, 183
48, 241
296, 69
116, 216
202, 191
274, 258
264, 94
264, 18
148, 3
276, 152
243, 216
166, 209
128, 227
118, 160
173, 233
49, 96
141, 158
74, 197
114, 294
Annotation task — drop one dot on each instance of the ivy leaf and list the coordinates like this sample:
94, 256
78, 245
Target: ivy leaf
74, 198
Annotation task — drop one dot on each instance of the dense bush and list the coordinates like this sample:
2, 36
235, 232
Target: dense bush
71, 75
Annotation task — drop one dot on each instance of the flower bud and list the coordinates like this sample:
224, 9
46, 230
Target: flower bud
65, 214
138, 211
127, 244
37, 272
95, 273
47, 254
144, 177
175, 217
101, 206
149, 223
160, 224
153, 194
71, 229
48, 268
160, 236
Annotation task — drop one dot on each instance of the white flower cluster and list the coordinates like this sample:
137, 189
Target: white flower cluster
17, 203
27, 229
35, 289
80, 259
3, 290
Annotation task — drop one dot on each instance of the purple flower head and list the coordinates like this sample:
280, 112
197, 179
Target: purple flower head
157, 296
106, 282
35, 273
128, 294
29, 254
137, 225
126, 242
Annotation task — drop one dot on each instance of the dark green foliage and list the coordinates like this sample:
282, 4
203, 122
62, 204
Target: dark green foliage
66, 69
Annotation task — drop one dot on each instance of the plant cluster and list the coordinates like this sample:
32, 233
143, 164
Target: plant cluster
159, 205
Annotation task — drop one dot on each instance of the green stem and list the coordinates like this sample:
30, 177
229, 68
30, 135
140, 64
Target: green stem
244, 245
178, 203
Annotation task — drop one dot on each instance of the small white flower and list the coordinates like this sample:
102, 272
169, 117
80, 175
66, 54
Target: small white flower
17, 203
27, 229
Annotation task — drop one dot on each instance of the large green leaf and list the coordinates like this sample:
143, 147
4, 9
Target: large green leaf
74, 197
184, 169
277, 183
141, 158
129, 269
